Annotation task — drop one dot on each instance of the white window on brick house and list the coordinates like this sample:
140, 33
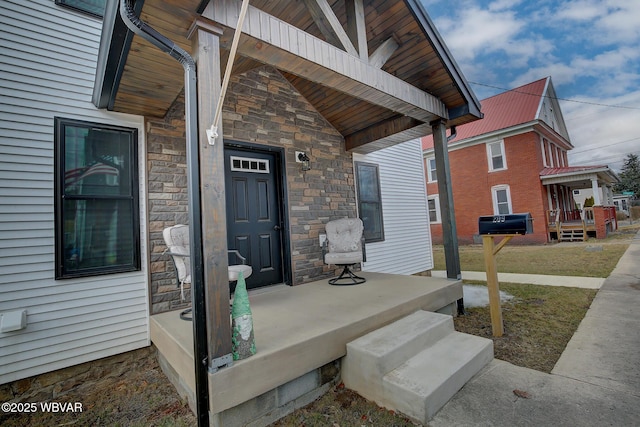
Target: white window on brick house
495, 156
433, 203
544, 152
551, 163
431, 169
501, 196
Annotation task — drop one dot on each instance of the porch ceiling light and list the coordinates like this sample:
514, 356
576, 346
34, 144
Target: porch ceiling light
301, 157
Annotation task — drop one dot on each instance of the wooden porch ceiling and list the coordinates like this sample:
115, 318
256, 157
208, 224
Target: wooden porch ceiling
375, 69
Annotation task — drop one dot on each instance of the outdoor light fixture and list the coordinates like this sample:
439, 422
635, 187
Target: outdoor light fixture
301, 157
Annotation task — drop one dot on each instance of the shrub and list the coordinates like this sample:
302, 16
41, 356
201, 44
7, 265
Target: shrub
588, 202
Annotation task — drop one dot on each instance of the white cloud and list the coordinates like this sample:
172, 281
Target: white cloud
603, 134
476, 31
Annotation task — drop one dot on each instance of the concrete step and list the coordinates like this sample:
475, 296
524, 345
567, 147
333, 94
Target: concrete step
372, 356
426, 382
414, 365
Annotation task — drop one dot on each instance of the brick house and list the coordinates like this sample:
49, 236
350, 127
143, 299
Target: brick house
515, 160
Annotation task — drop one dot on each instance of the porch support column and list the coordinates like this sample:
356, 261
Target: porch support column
596, 192
205, 39
445, 190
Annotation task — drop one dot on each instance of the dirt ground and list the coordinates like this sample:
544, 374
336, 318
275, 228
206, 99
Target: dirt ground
142, 396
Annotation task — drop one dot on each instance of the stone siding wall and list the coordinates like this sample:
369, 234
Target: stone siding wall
261, 107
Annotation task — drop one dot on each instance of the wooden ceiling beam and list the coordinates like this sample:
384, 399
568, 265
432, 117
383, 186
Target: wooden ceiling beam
390, 130
288, 48
356, 27
383, 53
329, 25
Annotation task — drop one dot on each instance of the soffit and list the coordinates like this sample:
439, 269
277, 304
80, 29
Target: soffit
151, 80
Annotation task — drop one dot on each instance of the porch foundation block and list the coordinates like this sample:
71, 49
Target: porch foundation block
301, 333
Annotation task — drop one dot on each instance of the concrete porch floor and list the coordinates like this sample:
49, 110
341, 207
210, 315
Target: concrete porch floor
298, 329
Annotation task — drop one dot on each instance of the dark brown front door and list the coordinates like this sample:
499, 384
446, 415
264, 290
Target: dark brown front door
253, 213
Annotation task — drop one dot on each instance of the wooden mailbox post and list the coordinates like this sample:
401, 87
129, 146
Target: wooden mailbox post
506, 227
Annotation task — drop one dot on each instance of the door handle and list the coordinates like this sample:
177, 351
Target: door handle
277, 227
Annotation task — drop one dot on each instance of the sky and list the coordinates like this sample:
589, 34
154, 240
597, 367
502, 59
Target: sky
590, 48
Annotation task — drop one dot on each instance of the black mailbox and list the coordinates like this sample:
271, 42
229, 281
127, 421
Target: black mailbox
506, 224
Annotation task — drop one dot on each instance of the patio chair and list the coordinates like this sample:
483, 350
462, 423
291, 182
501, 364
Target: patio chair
344, 247
177, 240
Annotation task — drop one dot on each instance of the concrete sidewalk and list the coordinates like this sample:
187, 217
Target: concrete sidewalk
596, 382
533, 279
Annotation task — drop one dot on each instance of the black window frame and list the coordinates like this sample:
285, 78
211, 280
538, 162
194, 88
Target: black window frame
78, 5
60, 197
369, 235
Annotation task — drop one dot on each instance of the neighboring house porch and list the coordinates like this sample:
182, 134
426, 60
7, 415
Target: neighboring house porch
566, 221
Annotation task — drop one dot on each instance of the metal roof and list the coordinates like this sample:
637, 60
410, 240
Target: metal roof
505, 110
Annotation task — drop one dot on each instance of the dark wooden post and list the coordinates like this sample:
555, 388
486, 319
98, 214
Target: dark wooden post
445, 192
206, 44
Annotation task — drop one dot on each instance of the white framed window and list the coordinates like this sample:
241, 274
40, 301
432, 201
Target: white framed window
544, 152
501, 196
551, 164
431, 169
433, 203
495, 156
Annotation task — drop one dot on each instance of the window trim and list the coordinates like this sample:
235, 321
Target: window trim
357, 164
430, 178
73, 5
494, 198
59, 198
502, 154
436, 199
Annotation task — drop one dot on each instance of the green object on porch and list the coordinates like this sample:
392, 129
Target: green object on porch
243, 343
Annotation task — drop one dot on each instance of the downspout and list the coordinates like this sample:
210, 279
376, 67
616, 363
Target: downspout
454, 133
200, 349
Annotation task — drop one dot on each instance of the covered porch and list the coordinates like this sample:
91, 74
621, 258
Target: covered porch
301, 333
327, 78
566, 221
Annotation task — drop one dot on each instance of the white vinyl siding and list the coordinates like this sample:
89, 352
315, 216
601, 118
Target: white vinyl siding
407, 245
48, 57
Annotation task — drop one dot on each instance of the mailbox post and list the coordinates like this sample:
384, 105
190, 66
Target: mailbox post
507, 227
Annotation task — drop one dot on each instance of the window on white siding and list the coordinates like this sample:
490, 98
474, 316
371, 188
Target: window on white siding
370, 201
97, 220
434, 209
495, 156
501, 200
91, 7
431, 169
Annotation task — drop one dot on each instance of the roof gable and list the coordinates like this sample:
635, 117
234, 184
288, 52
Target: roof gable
514, 107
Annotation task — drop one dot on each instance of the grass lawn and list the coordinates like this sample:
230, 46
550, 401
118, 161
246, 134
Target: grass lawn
538, 323
575, 259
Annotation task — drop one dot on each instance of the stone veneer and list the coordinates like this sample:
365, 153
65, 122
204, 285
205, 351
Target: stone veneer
261, 107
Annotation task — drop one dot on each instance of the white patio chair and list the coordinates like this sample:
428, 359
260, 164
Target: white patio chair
344, 247
177, 240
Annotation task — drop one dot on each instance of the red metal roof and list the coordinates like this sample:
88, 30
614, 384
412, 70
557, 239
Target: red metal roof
507, 109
